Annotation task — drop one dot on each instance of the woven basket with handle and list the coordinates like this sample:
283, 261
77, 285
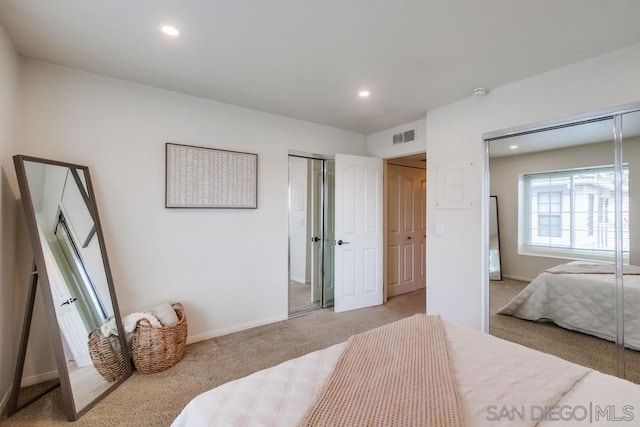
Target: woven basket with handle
158, 348
106, 355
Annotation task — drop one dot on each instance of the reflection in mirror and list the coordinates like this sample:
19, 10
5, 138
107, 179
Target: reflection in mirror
495, 272
329, 234
311, 234
74, 278
557, 229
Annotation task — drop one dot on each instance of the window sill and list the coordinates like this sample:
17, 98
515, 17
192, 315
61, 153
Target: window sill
572, 254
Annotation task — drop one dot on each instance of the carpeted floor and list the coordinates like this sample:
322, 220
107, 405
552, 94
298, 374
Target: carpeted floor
156, 399
576, 347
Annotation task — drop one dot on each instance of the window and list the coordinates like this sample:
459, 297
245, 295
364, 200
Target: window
590, 217
572, 212
549, 213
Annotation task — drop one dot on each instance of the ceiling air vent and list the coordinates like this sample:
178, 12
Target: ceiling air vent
409, 135
406, 136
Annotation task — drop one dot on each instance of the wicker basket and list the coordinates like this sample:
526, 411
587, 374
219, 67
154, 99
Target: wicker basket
156, 349
107, 355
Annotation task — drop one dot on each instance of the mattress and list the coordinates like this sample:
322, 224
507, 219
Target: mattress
580, 302
499, 382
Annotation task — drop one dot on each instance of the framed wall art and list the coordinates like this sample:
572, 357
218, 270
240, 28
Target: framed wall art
201, 177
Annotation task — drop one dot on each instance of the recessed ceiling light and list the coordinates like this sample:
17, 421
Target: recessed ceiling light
364, 93
170, 30
513, 147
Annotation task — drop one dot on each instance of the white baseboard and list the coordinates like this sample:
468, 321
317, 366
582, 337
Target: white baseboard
40, 378
3, 402
297, 279
26, 382
523, 279
237, 328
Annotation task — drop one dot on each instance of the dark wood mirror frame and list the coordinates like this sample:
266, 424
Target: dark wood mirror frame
41, 276
494, 224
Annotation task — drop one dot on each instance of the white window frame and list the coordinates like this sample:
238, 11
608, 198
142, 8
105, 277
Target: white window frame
525, 247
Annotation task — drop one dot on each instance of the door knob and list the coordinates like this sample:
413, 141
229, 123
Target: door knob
341, 242
408, 237
315, 239
69, 301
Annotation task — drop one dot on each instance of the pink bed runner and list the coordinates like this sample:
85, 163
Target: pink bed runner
396, 375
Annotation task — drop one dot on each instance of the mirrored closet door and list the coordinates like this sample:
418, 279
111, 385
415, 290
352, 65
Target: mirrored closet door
311, 233
566, 206
629, 218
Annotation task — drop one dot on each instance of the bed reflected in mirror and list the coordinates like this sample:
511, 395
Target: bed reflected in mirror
74, 278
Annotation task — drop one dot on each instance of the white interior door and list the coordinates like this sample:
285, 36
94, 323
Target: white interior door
329, 235
69, 320
358, 232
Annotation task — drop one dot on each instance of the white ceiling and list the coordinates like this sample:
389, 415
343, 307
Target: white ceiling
308, 59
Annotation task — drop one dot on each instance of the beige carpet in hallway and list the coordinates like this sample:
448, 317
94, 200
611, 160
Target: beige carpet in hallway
156, 399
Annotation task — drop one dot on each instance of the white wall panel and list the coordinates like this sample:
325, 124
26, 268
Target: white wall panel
370, 266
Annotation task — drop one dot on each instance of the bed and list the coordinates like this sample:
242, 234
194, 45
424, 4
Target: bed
580, 296
497, 383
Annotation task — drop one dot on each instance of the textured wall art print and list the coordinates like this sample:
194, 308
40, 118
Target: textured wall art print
200, 177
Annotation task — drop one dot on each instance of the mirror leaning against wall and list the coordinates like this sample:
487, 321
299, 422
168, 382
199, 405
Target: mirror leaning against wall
72, 271
495, 272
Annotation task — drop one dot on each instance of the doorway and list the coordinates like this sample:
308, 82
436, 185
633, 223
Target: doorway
406, 219
311, 233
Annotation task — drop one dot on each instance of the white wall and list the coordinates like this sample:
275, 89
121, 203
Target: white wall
8, 210
455, 267
15, 249
228, 267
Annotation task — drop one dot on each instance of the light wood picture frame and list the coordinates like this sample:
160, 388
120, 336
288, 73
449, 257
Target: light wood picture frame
201, 177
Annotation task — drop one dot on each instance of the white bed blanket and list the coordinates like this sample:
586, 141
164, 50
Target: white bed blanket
580, 302
275, 396
496, 379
